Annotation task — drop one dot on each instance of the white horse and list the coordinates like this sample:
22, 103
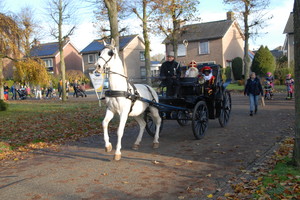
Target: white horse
124, 105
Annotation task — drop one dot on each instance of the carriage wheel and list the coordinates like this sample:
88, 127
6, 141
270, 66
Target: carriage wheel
183, 119
225, 109
150, 125
200, 120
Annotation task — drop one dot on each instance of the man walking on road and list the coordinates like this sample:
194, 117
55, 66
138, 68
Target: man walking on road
253, 89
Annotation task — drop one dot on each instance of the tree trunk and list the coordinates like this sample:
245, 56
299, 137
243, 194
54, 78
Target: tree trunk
111, 6
246, 47
61, 52
296, 154
147, 44
1, 80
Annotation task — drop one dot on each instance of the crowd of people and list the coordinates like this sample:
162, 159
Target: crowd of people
18, 91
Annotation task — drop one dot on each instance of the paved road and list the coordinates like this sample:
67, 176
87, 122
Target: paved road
182, 167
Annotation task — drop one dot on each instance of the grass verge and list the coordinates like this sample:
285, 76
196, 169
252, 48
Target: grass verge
26, 125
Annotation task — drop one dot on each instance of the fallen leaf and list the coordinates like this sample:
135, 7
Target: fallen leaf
210, 196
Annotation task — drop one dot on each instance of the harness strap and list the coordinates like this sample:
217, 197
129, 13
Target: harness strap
153, 99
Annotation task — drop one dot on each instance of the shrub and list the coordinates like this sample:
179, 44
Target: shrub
3, 105
281, 73
263, 62
228, 72
237, 68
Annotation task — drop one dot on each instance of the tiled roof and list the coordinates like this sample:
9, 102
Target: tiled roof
205, 31
289, 27
48, 49
97, 45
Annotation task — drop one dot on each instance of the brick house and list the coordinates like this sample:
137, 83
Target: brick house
288, 46
216, 42
131, 51
49, 53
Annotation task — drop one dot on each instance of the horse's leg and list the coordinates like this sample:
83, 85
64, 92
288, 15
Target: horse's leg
108, 116
157, 120
142, 125
123, 119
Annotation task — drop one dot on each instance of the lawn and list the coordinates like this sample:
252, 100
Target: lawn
240, 88
51, 122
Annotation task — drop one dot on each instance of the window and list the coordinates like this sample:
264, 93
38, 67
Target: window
181, 51
49, 64
143, 72
142, 55
204, 47
91, 58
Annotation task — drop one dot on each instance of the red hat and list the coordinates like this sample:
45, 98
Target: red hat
206, 68
193, 64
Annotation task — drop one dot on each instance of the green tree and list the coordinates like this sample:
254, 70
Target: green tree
237, 68
296, 154
247, 9
263, 61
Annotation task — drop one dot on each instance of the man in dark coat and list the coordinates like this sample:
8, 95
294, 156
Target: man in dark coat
253, 89
170, 73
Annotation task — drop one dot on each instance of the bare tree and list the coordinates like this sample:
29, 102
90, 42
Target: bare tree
112, 11
61, 12
109, 13
296, 155
246, 9
29, 26
171, 14
10, 37
143, 10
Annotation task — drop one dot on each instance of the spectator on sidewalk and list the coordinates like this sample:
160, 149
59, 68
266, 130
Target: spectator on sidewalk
253, 89
82, 89
49, 90
38, 92
6, 90
59, 88
75, 87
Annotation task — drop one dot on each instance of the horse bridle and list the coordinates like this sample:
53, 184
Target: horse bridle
107, 69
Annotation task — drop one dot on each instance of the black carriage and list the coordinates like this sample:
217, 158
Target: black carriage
195, 104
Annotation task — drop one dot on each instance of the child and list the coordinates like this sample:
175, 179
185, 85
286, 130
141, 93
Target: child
289, 82
270, 78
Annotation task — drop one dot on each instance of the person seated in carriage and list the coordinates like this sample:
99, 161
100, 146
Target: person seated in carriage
192, 70
208, 79
170, 73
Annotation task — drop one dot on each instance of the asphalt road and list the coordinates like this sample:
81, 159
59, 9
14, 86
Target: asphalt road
182, 168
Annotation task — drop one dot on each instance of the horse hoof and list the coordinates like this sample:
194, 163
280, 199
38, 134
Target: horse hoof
108, 148
117, 157
155, 145
135, 147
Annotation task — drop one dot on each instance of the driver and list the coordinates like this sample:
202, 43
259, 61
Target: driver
170, 73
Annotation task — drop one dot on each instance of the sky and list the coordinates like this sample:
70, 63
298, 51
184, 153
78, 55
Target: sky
210, 10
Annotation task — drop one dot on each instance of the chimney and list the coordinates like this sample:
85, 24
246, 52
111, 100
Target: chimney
230, 15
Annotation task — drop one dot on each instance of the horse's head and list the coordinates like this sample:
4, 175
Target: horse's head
106, 57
